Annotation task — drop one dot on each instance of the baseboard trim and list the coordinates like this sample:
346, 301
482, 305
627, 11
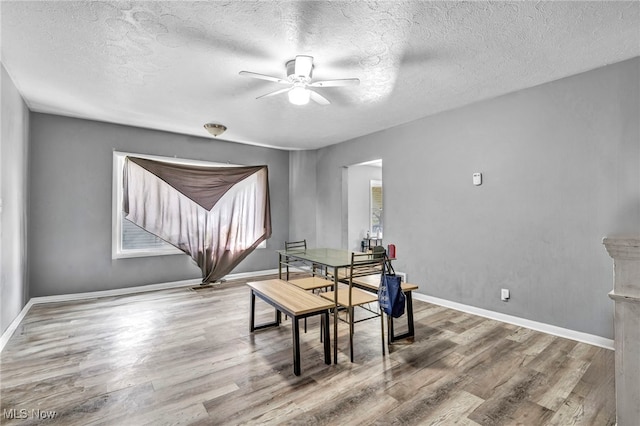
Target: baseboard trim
521, 322
115, 292
510, 319
14, 325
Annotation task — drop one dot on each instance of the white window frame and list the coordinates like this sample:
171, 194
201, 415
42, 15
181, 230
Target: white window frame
117, 252
373, 184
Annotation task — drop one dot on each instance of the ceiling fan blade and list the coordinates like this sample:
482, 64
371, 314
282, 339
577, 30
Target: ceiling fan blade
304, 65
336, 83
318, 98
263, 77
277, 92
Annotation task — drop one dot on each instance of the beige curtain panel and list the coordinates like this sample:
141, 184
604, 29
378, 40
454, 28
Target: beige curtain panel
216, 215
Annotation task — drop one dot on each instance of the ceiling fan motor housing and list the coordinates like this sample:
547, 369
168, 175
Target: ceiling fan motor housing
291, 72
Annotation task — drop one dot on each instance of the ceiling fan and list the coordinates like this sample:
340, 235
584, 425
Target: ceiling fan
299, 82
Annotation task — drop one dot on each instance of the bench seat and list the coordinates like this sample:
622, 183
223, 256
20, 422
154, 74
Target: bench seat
372, 283
311, 283
296, 303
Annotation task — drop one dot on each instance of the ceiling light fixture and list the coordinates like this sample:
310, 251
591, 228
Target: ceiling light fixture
299, 95
301, 88
215, 129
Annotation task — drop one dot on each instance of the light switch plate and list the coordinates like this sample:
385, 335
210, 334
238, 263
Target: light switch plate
477, 179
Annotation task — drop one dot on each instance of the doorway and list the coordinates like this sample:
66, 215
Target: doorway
363, 203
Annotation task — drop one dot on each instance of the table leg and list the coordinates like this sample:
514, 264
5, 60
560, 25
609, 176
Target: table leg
410, 327
327, 344
335, 315
296, 346
252, 316
410, 314
252, 326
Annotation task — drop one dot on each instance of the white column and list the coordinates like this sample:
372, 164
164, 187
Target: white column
625, 252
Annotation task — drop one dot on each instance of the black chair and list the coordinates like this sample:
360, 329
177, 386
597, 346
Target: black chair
350, 297
378, 252
293, 246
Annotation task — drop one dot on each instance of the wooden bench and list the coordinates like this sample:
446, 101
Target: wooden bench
296, 303
311, 283
372, 283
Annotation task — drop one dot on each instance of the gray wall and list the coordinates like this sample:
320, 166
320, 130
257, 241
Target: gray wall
69, 241
13, 202
302, 193
561, 168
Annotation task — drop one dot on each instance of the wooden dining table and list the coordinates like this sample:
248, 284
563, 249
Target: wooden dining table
335, 263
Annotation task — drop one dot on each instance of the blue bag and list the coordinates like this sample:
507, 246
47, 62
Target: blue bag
390, 295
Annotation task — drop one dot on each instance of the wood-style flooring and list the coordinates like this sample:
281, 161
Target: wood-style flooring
185, 356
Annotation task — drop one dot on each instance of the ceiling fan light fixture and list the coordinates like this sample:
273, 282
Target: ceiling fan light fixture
299, 95
300, 87
215, 129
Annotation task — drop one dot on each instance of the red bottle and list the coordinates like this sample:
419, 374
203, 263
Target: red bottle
391, 251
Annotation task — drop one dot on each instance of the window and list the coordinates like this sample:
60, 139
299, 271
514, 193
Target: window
376, 222
128, 239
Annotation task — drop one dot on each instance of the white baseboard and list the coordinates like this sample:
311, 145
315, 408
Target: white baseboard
14, 325
115, 292
242, 275
522, 322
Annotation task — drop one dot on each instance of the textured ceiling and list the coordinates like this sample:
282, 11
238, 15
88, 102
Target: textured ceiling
174, 65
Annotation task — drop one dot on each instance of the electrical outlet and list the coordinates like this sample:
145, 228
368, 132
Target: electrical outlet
504, 294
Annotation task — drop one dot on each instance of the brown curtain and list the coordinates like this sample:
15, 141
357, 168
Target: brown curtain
217, 215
